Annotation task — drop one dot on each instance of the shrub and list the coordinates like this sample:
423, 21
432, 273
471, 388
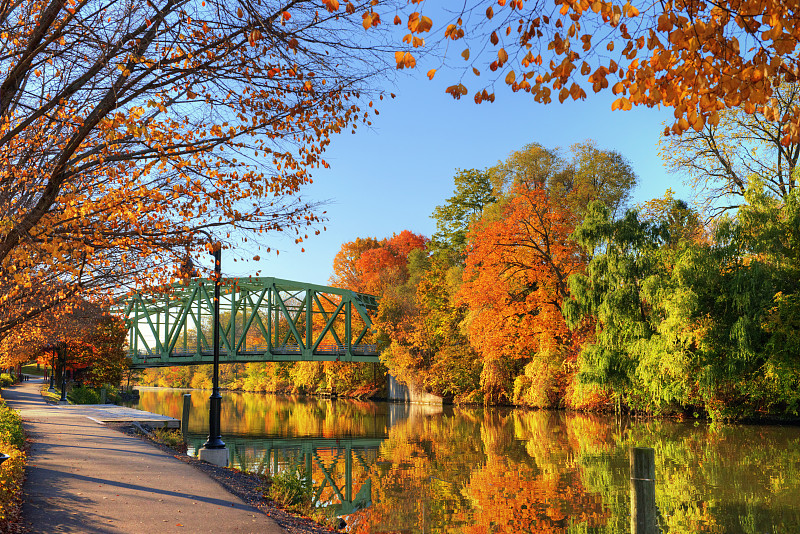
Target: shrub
12, 471
292, 489
84, 395
11, 427
170, 438
6, 380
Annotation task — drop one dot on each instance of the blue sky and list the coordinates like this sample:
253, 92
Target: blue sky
390, 177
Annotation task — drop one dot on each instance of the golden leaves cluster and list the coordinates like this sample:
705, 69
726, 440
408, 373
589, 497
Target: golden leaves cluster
698, 58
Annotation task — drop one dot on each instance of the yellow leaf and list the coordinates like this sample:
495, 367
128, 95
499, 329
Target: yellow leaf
511, 77
431, 74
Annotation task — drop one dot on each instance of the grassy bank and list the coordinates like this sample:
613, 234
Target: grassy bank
12, 471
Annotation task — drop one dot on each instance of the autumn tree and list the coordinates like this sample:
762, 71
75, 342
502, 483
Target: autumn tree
515, 281
125, 128
519, 259
698, 58
88, 336
346, 271
473, 191
368, 265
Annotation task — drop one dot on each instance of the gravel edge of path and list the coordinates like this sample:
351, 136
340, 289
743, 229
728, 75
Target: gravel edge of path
247, 486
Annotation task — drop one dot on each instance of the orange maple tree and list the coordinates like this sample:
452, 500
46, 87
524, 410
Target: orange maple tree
370, 266
515, 281
125, 128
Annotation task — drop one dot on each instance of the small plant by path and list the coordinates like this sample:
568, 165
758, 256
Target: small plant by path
292, 489
172, 438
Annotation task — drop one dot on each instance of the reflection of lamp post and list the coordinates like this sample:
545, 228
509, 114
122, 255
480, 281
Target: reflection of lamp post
214, 450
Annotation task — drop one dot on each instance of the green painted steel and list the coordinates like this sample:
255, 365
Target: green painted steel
262, 320
332, 460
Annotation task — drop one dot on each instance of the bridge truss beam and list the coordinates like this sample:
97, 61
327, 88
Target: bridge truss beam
262, 319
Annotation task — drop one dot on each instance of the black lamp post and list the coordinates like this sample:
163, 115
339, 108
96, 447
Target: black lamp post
215, 401
52, 371
63, 349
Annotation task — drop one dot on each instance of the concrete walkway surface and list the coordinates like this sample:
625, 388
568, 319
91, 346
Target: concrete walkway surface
84, 477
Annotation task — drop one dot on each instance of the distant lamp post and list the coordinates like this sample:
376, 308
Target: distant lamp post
214, 450
52, 388
63, 349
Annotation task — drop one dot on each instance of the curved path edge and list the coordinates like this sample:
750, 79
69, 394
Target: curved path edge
83, 477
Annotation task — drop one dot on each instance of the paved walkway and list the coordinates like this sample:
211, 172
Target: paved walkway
84, 477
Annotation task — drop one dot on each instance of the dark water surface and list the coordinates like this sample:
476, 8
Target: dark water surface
422, 469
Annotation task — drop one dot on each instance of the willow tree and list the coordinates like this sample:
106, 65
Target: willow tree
126, 128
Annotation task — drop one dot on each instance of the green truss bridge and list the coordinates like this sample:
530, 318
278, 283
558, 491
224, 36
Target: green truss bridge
261, 320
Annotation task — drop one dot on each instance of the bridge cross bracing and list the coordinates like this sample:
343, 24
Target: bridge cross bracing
262, 320
334, 467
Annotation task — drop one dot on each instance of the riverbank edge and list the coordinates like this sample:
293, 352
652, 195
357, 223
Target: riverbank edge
676, 415
247, 486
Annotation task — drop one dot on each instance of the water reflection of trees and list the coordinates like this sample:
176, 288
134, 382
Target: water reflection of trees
479, 472
553, 472
474, 470
274, 415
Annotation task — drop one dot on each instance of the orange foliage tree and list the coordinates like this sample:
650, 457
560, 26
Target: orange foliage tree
519, 258
697, 57
126, 127
93, 340
370, 266
515, 281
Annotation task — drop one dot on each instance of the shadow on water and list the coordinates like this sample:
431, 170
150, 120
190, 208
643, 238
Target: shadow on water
420, 469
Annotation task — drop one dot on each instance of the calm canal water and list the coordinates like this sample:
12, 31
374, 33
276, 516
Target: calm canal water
420, 469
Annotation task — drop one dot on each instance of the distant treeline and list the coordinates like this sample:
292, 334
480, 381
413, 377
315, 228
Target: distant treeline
543, 287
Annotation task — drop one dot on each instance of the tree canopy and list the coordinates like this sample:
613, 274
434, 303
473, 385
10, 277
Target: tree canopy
699, 58
126, 128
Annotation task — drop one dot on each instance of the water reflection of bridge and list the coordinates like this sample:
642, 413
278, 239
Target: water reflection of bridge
337, 464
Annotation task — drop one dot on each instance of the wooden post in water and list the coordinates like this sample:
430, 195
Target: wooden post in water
187, 407
643, 491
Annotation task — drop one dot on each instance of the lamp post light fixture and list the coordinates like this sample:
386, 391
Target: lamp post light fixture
214, 450
3, 457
